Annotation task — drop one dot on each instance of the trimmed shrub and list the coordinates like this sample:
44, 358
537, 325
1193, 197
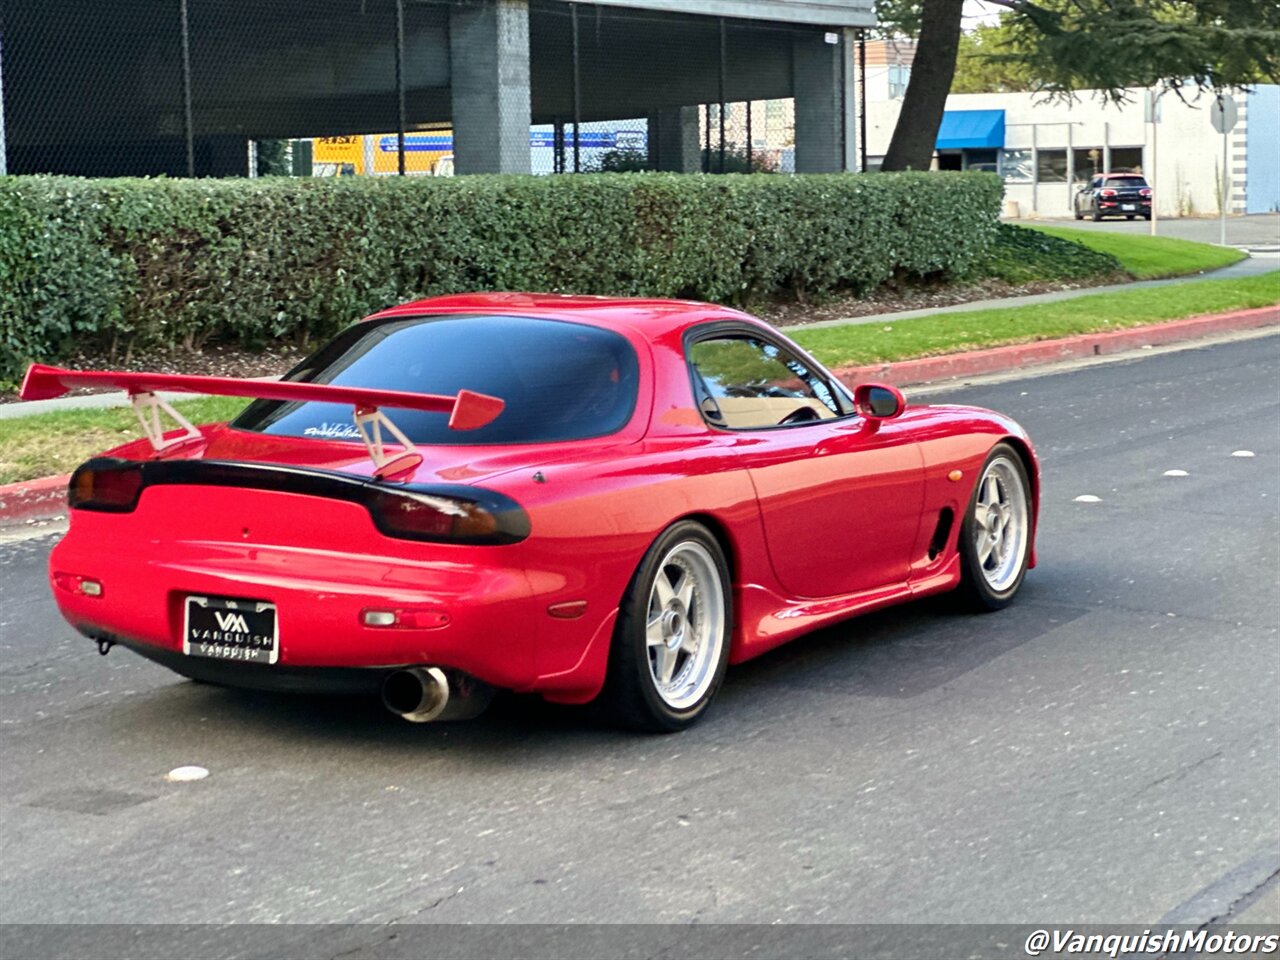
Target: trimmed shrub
124, 264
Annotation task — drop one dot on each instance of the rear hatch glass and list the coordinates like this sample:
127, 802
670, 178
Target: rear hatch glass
1124, 183
559, 380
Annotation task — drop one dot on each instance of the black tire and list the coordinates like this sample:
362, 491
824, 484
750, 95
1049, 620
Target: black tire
979, 590
1079, 215
1128, 216
1146, 216
632, 690
1097, 214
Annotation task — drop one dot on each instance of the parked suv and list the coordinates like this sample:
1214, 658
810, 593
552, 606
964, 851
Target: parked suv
1114, 194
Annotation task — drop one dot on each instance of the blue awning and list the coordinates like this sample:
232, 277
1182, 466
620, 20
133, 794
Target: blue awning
969, 129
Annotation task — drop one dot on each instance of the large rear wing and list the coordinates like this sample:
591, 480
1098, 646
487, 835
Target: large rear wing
467, 410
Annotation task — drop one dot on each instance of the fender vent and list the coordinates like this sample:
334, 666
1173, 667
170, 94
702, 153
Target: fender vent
941, 532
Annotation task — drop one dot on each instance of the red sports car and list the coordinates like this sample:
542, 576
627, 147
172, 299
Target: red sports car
573, 496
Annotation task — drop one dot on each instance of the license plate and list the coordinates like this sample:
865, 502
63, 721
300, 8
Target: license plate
227, 629
1129, 206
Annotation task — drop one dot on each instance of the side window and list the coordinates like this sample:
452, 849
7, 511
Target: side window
744, 383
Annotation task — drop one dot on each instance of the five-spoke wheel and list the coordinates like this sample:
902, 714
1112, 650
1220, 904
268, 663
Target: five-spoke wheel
671, 646
995, 540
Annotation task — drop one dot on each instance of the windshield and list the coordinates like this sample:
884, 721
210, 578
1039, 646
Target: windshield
559, 380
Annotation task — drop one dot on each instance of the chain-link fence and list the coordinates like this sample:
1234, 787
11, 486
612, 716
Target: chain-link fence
425, 87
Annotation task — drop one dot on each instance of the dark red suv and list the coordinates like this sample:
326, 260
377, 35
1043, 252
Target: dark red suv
1114, 195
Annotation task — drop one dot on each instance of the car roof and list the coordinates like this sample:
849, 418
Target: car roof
650, 317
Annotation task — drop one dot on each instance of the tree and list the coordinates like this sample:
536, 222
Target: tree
1067, 45
986, 62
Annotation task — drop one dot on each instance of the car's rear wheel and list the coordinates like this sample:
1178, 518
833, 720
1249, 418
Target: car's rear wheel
1128, 216
671, 646
1097, 214
995, 538
1079, 215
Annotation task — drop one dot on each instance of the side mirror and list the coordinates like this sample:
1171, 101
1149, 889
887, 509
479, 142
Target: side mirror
879, 401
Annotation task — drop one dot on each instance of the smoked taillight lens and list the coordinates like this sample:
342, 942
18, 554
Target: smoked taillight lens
488, 518
106, 487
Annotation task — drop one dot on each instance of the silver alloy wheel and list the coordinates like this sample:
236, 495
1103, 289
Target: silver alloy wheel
685, 625
1000, 524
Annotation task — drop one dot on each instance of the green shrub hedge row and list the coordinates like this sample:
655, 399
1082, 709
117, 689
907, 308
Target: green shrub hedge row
162, 263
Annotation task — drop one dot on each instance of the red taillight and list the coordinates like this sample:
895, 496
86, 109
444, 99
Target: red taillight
1145, 191
428, 516
104, 487
1107, 193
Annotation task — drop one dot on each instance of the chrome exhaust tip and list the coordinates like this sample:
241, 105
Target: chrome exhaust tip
423, 694
419, 694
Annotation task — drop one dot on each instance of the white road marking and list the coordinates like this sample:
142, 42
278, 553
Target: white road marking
1088, 498
1242, 453
186, 774
1176, 473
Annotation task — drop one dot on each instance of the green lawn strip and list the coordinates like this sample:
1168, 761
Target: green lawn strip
58, 442
53, 443
1150, 258
954, 332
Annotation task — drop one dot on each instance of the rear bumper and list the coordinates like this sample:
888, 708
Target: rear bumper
472, 609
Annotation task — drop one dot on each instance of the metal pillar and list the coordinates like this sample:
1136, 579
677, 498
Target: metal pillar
751, 156
862, 100
577, 91
4, 164
400, 111
706, 149
188, 124
724, 55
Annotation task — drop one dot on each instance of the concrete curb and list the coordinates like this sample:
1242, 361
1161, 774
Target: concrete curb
33, 499
998, 359
46, 497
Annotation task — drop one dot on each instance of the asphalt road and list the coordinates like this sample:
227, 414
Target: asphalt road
1104, 751
1256, 231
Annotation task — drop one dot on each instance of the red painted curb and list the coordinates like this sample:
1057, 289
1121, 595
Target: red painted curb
997, 359
33, 499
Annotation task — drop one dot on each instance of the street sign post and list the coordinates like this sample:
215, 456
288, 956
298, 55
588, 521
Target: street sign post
1151, 115
1223, 115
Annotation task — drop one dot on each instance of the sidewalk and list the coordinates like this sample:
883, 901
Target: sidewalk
1250, 266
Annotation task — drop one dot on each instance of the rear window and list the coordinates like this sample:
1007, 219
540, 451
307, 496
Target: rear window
1124, 182
560, 380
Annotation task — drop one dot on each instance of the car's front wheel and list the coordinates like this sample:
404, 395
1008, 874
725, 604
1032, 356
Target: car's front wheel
671, 646
995, 538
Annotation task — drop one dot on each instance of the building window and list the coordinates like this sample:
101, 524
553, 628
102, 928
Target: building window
984, 160
899, 75
1015, 165
1088, 162
1052, 166
1126, 160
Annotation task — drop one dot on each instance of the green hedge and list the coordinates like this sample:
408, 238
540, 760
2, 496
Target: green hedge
118, 264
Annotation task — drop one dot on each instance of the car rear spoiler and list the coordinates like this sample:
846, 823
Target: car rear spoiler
467, 410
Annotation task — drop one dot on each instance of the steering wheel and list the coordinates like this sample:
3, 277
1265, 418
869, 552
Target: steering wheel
799, 415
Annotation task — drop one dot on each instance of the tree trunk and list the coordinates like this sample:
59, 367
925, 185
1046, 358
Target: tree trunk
926, 97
